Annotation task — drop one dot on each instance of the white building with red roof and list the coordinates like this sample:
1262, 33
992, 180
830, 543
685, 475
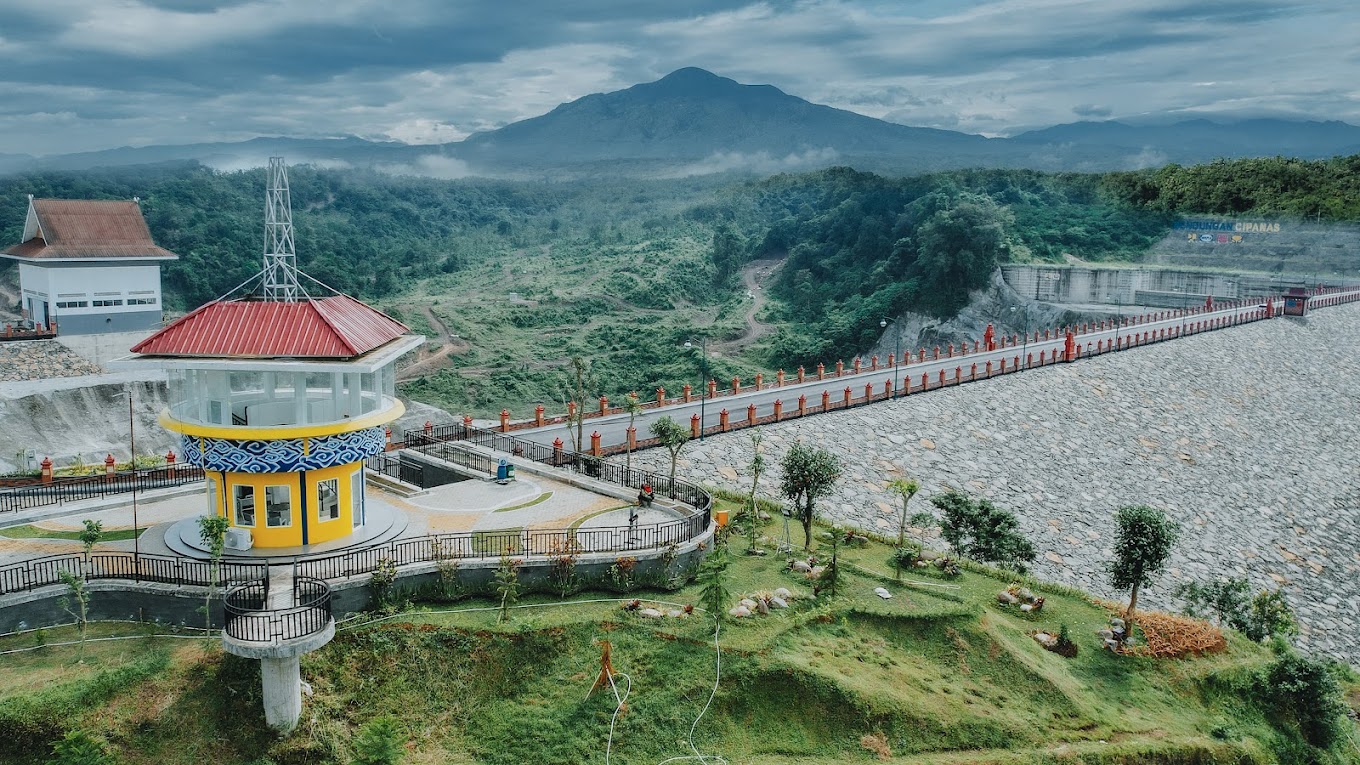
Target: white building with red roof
89, 266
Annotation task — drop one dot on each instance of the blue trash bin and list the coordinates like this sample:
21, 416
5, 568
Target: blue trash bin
502, 470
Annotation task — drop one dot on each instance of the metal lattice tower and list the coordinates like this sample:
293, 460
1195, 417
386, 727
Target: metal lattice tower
280, 259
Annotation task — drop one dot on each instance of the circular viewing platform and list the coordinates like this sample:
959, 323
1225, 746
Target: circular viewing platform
278, 616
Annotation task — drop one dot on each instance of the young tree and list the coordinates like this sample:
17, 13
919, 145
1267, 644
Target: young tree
91, 535
756, 466
712, 579
378, 743
507, 586
982, 531
1269, 616
577, 388
905, 488
77, 604
634, 408
809, 473
212, 529
672, 436
1143, 540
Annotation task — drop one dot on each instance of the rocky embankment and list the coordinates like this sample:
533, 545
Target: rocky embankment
41, 359
1248, 437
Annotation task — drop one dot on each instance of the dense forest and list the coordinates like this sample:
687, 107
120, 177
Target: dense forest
511, 279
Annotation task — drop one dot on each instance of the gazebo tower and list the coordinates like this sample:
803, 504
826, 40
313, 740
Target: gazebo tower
280, 390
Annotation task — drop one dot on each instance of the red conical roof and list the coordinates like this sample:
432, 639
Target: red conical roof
335, 327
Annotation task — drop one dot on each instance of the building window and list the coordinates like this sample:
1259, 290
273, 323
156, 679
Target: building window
356, 497
107, 303
278, 509
213, 509
328, 499
244, 500
73, 304
141, 301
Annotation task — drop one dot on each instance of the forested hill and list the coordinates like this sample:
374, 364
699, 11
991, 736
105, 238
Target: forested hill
859, 247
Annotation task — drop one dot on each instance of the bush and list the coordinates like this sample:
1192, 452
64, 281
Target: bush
379, 743
80, 748
1305, 690
981, 531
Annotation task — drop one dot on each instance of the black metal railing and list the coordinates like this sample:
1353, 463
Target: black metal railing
75, 488
495, 544
163, 569
590, 465
246, 617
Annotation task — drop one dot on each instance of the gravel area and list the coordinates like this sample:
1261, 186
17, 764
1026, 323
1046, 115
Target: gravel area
1249, 437
40, 359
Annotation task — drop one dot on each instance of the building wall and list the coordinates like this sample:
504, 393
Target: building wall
305, 523
131, 293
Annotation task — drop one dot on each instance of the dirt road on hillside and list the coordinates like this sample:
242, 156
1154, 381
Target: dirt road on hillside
427, 362
754, 277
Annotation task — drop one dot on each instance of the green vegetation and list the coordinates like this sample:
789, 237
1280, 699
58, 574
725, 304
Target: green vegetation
29, 531
940, 673
1143, 539
1229, 601
512, 280
808, 473
982, 531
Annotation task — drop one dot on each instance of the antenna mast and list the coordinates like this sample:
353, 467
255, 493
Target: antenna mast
280, 259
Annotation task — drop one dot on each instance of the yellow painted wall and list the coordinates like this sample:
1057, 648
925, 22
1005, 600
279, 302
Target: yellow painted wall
290, 536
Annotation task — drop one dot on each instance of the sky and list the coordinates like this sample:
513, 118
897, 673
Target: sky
82, 75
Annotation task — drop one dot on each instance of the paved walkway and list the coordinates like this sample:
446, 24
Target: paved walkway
532, 501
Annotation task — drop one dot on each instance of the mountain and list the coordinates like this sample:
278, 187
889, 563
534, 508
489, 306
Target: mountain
692, 114
693, 122
1200, 139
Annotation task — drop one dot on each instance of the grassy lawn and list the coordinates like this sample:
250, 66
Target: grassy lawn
29, 531
936, 674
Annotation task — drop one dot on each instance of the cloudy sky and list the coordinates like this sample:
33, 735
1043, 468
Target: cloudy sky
79, 75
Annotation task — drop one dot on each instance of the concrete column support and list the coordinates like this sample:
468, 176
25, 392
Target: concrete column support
282, 686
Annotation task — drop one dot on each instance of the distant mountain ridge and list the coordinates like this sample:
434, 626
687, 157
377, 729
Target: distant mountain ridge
693, 122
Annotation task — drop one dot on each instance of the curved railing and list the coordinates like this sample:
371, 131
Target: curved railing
246, 617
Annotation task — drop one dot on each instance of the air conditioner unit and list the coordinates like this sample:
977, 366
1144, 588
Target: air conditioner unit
239, 539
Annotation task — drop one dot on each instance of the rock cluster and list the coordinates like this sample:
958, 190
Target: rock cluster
41, 359
1245, 436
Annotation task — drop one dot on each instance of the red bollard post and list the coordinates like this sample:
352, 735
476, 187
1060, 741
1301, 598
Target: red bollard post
958, 375
972, 375
857, 365
801, 373
722, 420
108, 467
170, 461
846, 395
826, 400
604, 405
778, 410
873, 363
989, 367
557, 451
925, 381
538, 416
868, 391
688, 392
840, 367
821, 370
632, 437
387, 438
505, 420
887, 389
802, 405
1070, 347
751, 414
989, 337
571, 411
779, 379
660, 396
694, 426
760, 380
595, 443
712, 388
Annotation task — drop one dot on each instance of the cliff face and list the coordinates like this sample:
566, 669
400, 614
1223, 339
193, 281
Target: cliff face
81, 418
85, 418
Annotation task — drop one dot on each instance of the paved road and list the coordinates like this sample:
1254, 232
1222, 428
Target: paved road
612, 428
